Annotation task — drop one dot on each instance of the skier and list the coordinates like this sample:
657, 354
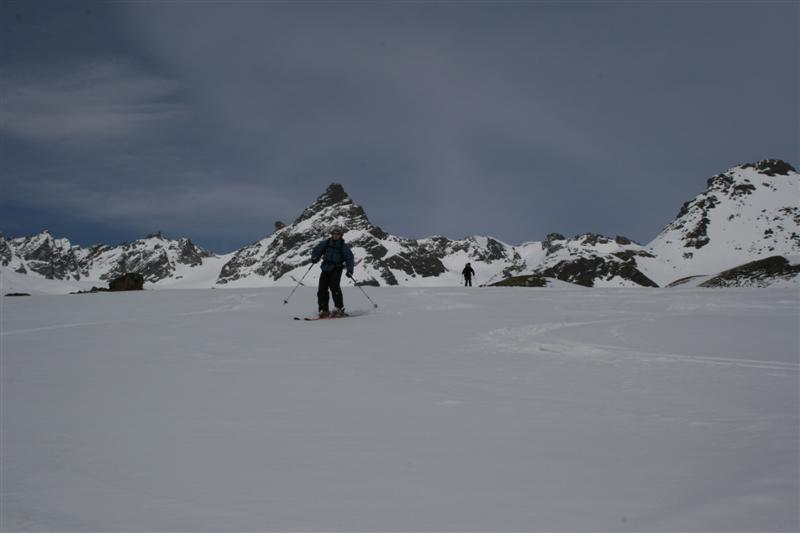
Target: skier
335, 255
468, 273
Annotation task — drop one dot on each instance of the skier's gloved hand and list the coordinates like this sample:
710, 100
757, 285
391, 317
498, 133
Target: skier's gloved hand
349, 275
315, 259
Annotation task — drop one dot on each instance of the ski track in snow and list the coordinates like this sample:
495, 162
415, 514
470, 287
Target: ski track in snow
58, 326
469, 410
522, 340
240, 303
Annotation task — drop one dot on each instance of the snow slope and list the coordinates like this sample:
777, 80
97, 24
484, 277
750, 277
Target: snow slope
444, 410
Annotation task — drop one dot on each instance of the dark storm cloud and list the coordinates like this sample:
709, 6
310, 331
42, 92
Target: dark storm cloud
94, 98
512, 119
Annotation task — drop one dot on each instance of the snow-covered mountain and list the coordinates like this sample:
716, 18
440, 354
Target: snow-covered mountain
42, 255
747, 213
155, 257
383, 259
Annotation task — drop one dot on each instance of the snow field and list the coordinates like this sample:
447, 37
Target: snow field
447, 409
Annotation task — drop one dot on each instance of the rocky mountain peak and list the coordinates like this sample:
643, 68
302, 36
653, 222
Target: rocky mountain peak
334, 203
335, 192
743, 179
43, 254
771, 167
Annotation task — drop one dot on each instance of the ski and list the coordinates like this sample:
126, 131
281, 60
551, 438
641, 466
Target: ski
335, 317
311, 318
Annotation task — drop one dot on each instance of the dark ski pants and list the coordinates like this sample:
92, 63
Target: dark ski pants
468, 281
329, 281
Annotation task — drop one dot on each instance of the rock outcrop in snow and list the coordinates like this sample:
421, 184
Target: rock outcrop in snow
770, 272
593, 260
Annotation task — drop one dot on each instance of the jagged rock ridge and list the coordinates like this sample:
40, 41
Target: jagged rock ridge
156, 258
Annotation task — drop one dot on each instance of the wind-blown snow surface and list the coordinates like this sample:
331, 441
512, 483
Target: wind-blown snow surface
469, 410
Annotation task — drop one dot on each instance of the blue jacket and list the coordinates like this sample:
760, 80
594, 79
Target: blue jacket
334, 255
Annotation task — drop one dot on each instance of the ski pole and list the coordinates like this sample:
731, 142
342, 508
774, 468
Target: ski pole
364, 293
286, 301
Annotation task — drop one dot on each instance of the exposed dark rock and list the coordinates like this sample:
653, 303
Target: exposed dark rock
5, 252
759, 273
17, 294
375, 250
399, 262
592, 239
533, 280
772, 167
378, 233
743, 189
585, 270
93, 290
388, 276
794, 212
627, 255
494, 251
683, 281
127, 282
684, 209
697, 237
190, 254
720, 181
549, 244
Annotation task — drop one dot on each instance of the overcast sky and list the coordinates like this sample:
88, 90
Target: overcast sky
512, 119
